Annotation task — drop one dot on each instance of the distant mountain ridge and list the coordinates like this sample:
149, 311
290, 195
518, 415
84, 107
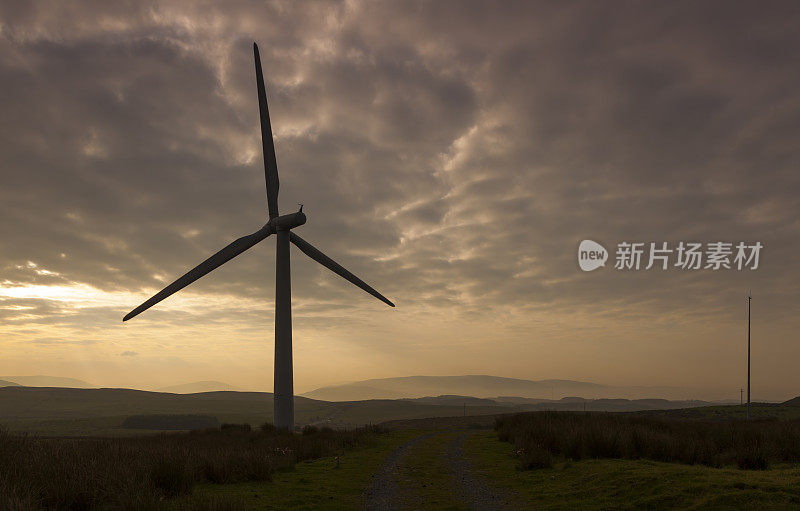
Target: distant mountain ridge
48, 381
4, 383
199, 386
485, 386
104, 411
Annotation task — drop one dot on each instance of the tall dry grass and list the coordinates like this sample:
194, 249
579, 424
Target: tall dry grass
143, 473
542, 437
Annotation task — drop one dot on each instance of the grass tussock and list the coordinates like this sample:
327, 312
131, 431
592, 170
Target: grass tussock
143, 473
540, 438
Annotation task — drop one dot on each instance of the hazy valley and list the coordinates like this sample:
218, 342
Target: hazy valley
104, 411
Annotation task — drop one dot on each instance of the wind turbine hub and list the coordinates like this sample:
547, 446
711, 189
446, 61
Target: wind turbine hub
287, 222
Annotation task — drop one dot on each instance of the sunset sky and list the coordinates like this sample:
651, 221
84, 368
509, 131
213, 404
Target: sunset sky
451, 154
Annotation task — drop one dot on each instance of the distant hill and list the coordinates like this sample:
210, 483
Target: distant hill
72, 411
456, 401
484, 386
170, 422
4, 383
48, 381
792, 402
357, 392
198, 386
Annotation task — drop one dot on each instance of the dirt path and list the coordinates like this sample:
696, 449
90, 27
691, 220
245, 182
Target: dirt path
406, 482
471, 488
383, 494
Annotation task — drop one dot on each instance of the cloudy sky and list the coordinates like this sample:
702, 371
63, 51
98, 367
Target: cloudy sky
451, 154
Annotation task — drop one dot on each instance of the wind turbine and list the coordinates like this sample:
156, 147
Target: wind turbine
281, 226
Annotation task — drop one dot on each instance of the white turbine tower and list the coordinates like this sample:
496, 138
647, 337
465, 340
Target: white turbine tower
281, 226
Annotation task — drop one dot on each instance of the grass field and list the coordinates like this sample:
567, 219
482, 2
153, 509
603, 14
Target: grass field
428, 486
322, 484
731, 412
102, 412
632, 484
593, 461
146, 472
544, 437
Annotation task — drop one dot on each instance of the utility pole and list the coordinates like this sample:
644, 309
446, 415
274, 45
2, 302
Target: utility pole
749, 297
741, 396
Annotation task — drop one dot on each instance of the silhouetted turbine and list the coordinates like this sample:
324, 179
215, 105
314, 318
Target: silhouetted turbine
283, 404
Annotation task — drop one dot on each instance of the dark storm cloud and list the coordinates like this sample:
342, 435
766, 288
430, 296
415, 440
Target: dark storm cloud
452, 153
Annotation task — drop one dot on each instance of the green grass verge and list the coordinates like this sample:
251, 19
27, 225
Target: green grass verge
631, 484
314, 485
425, 481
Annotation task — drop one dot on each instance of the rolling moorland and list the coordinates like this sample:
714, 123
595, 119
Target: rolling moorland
92, 412
66, 406
542, 460
198, 386
445, 452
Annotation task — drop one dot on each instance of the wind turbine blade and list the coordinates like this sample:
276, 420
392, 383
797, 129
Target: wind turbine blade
210, 264
312, 252
268, 147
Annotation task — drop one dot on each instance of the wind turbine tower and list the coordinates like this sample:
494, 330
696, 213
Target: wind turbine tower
281, 226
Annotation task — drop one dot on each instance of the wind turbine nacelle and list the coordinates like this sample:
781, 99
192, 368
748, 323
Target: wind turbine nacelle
286, 222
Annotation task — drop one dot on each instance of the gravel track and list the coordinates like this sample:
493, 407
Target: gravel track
469, 487
383, 494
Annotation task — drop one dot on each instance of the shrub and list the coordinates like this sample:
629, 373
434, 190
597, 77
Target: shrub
170, 422
752, 459
749, 445
171, 476
137, 473
235, 428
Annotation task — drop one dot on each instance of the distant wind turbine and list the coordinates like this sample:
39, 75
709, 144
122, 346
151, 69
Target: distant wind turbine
281, 225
